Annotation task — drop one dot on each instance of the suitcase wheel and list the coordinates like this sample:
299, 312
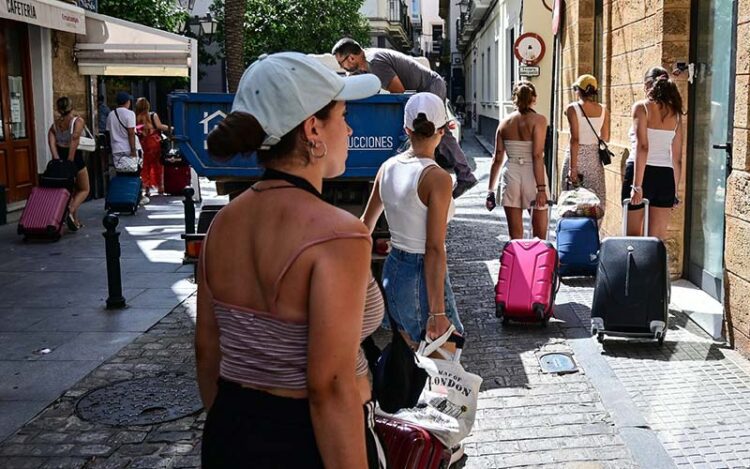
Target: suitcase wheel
539, 312
659, 336
600, 337
500, 313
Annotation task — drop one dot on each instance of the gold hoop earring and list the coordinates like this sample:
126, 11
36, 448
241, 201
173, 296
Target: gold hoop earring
311, 150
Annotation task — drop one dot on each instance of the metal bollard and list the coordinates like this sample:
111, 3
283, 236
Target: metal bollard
188, 192
112, 246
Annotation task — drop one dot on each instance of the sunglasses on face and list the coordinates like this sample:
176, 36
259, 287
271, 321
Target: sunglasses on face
341, 62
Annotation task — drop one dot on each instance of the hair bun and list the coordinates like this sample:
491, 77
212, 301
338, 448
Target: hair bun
422, 126
239, 132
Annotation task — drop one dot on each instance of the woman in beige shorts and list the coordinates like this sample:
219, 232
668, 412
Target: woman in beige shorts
523, 178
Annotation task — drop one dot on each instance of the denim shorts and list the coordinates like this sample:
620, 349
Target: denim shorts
406, 294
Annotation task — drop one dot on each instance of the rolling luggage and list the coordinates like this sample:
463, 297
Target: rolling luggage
59, 174
124, 194
577, 246
44, 213
631, 295
528, 281
176, 178
408, 446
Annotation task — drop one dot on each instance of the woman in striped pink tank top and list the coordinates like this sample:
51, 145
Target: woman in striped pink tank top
285, 295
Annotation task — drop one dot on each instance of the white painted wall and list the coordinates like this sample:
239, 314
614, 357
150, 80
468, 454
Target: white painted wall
489, 63
40, 48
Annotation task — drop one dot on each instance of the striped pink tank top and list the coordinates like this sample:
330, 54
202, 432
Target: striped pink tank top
261, 350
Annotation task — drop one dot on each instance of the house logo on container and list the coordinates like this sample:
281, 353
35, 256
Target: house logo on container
371, 143
217, 116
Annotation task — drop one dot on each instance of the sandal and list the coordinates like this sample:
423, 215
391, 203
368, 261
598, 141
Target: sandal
71, 223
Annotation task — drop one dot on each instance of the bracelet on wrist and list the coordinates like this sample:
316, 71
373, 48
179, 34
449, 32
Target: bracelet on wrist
438, 314
637, 188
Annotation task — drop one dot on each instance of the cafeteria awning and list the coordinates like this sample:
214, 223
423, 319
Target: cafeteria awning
113, 46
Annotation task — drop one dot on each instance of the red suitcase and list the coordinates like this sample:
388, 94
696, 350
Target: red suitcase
44, 213
527, 282
176, 178
408, 446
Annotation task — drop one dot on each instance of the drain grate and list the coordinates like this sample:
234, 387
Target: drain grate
142, 401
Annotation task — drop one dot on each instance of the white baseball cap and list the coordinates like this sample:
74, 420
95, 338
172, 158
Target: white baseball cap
282, 90
428, 104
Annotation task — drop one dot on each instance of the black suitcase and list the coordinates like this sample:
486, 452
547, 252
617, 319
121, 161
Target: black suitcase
631, 294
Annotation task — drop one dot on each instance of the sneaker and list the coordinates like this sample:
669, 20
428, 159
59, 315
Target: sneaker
462, 187
457, 452
145, 200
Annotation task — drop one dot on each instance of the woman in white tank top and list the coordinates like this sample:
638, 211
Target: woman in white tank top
587, 122
416, 196
655, 164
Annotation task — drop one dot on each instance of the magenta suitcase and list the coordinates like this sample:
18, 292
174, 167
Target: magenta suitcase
44, 213
527, 282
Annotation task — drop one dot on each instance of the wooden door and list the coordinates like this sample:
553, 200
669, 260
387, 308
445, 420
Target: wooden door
17, 154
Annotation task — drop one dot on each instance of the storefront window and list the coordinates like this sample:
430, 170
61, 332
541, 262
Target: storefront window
17, 116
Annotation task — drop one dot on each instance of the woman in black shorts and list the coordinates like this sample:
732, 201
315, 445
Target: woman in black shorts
655, 164
63, 139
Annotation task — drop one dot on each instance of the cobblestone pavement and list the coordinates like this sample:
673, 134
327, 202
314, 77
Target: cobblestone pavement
57, 438
692, 394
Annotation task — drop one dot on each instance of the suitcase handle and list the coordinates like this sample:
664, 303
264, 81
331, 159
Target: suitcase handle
550, 204
625, 203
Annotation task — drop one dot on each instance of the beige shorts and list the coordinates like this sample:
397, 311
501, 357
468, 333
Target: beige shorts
518, 184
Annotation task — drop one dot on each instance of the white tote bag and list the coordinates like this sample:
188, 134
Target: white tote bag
86, 142
448, 403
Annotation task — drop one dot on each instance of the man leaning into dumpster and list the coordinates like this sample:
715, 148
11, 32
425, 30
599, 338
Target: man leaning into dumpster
397, 73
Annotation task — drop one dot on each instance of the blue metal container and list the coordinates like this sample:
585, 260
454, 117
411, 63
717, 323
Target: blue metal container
377, 123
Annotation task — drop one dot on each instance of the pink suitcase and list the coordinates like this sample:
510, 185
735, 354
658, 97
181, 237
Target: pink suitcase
44, 213
527, 282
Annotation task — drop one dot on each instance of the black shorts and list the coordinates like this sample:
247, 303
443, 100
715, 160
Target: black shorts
77, 159
658, 186
249, 428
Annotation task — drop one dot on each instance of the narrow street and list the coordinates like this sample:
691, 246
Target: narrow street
630, 404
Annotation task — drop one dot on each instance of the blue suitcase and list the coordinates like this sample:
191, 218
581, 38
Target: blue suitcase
124, 194
578, 246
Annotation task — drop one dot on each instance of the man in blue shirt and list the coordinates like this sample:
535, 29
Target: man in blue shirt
102, 112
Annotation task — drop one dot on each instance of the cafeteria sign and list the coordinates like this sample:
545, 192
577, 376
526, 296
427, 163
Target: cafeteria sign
45, 13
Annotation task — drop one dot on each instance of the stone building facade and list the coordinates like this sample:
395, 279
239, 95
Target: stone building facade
617, 41
737, 241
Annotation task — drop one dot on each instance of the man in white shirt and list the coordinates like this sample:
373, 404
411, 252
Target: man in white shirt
127, 153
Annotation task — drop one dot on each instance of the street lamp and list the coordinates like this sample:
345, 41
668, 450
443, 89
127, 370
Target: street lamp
200, 27
463, 6
187, 5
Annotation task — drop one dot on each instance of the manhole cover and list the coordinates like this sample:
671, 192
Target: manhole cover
142, 401
559, 363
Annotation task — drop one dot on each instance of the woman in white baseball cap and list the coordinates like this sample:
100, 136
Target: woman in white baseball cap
285, 292
416, 195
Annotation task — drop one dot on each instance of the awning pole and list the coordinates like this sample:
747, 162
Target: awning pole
193, 66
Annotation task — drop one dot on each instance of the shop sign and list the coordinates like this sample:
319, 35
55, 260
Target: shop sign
45, 13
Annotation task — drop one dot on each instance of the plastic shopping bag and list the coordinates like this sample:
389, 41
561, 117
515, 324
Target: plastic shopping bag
579, 202
448, 404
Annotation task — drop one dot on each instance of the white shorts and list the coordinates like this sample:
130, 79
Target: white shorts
518, 184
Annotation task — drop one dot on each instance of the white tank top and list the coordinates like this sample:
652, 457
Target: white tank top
586, 135
405, 212
659, 145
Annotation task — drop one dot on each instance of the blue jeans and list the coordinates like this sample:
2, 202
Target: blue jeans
406, 294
